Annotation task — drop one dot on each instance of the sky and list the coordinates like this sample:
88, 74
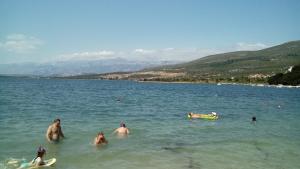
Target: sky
168, 30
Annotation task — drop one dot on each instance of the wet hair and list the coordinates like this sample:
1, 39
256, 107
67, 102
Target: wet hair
253, 118
56, 120
40, 152
122, 125
100, 133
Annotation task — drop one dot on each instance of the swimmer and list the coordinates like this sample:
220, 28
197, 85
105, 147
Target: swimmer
100, 139
193, 115
38, 160
122, 130
35, 163
253, 119
54, 131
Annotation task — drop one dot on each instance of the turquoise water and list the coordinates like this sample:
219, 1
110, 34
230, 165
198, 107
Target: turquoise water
161, 135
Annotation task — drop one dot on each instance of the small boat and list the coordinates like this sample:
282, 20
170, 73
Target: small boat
211, 116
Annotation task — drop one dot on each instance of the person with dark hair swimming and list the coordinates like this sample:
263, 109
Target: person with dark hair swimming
122, 130
193, 115
54, 132
100, 139
38, 160
253, 119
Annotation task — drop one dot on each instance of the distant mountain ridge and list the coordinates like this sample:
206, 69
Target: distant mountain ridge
70, 68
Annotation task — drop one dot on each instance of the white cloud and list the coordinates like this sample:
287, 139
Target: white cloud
248, 46
96, 55
158, 55
143, 51
168, 49
20, 43
153, 55
170, 54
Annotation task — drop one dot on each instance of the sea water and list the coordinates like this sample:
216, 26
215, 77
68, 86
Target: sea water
161, 135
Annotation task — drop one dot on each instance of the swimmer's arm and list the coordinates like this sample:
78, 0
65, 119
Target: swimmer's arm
96, 141
128, 131
32, 161
48, 133
61, 133
116, 131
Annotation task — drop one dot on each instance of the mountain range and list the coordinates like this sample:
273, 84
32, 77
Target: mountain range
78, 67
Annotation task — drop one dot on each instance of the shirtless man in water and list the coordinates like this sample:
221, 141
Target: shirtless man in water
122, 130
54, 131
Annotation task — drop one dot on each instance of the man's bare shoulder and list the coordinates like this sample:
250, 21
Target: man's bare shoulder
50, 126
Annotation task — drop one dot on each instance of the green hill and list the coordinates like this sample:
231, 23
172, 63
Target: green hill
241, 64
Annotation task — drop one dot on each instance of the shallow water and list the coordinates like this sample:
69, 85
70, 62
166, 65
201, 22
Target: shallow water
161, 135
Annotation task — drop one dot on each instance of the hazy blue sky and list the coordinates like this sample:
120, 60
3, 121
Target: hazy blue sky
37, 30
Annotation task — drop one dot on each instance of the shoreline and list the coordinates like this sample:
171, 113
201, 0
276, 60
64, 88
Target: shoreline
166, 82
219, 84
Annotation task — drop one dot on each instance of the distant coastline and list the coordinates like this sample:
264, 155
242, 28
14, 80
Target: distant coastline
152, 81
220, 84
258, 84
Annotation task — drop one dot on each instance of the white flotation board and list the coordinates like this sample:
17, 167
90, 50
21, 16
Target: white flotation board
29, 165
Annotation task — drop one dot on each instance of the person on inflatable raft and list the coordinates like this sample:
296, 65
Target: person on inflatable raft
213, 115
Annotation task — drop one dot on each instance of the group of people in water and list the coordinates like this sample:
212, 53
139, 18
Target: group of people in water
55, 133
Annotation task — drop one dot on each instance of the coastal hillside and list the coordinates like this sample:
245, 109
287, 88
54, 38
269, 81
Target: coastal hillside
242, 63
240, 66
